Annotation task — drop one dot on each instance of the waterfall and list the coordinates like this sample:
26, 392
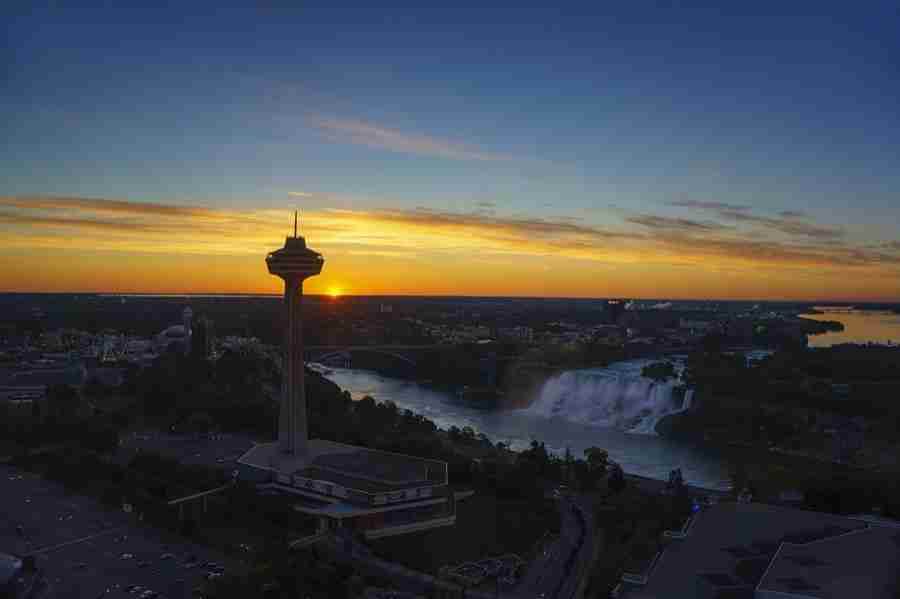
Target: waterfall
610, 398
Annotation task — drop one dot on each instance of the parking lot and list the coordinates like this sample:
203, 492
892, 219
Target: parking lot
86, 550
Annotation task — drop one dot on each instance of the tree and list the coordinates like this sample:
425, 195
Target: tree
616, 479
63, 403
659, 371
597, 460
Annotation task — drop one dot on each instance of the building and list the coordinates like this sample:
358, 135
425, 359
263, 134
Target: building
203, 337
756, 551
178, 336
17, 576
374, 492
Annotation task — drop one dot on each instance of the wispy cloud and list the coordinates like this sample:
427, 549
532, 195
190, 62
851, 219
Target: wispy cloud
377, 136
788, 222
652, 221
704, 205
300, 194
789, 225
103, 205
121, 226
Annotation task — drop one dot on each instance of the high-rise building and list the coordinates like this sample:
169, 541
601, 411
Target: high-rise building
202, 337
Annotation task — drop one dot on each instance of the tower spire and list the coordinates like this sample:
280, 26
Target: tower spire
295, 222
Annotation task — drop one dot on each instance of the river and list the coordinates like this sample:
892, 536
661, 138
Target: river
613, 408
860, 326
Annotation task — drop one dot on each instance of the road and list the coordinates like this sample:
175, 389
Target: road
553, 575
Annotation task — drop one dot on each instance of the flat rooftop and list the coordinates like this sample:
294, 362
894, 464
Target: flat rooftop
725, 533
379, 467
358, 468
863, 563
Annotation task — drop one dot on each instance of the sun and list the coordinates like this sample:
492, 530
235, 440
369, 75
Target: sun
335, 292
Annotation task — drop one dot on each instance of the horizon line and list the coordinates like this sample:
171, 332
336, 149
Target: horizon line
457, 296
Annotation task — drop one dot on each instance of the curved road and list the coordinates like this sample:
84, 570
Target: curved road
554, 575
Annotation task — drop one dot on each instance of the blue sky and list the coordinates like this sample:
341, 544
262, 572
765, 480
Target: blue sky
580, 111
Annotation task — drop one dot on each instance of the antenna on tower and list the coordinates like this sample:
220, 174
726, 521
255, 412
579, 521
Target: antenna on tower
295, 222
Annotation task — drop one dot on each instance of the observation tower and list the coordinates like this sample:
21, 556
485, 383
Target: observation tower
294, 263
375, 493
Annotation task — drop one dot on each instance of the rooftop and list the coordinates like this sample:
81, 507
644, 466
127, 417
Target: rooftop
358, 468
727, 534
862, 563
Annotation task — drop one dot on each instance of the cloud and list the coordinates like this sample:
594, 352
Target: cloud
376, 136
675, 224
92, 224
300, 194
788, 226
788, 222
715, 206
102, 205
77, 223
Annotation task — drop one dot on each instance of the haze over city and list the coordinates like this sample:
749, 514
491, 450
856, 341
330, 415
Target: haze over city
647, 151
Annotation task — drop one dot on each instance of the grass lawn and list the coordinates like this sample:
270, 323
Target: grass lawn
486, 526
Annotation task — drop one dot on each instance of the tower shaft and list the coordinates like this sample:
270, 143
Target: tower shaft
293, 263
292, 427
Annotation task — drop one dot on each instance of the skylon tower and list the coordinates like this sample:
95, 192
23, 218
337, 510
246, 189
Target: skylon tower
294, 263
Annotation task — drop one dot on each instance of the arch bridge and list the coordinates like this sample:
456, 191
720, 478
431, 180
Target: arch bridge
342, 355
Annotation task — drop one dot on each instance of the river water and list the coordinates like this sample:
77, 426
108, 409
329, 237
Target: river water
613, 408
860, 326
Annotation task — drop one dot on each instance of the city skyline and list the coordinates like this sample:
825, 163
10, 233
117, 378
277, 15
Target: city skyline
680, 153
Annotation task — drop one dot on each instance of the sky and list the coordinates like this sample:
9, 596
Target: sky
658, 150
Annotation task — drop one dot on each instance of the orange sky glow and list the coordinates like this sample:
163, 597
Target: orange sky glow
93, 245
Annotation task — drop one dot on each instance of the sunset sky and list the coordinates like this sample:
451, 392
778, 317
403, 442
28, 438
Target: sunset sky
445, 148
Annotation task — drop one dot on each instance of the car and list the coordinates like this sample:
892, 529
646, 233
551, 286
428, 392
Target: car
167, 556
127, 556
213, 575
143, 564
148, 594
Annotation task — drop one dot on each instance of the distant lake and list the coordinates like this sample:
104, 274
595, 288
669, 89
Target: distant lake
860, 326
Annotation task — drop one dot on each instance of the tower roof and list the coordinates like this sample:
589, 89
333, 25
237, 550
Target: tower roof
295, 258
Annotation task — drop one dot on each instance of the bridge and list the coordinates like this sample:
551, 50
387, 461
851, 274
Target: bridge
342, 355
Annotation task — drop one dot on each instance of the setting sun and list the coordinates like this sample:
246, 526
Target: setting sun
334, 292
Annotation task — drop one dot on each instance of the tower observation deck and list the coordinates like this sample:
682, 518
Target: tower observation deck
294, 263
